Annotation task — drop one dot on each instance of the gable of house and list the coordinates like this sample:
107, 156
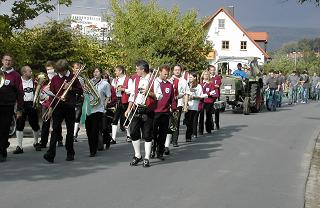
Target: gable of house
225, 31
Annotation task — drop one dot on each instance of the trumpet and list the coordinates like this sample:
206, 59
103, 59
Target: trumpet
46, 116
140, 99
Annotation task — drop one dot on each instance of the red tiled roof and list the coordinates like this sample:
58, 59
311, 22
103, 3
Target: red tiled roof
209, 20
259, 36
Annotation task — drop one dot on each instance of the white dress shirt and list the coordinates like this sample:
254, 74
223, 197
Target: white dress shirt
143, 84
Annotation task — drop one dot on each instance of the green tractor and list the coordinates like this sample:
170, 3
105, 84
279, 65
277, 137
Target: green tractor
246, 95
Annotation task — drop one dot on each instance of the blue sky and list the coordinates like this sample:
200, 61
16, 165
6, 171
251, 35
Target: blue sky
283, 13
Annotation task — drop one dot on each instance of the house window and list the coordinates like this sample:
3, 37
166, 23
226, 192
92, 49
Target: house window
221, 23
243, 45
225, 44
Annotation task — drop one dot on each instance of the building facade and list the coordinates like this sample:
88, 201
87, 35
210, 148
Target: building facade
230, 39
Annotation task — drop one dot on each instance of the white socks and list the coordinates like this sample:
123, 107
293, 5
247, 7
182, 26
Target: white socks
35, 136
147, 149
136, 147
19, 135
168, 140
76, 127
114, 131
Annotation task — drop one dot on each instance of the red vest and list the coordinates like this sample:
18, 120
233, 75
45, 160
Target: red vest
150, 102
125, 96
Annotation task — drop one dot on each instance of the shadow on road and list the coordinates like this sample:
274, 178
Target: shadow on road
31, 166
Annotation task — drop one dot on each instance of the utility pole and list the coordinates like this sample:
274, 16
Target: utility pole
58, 8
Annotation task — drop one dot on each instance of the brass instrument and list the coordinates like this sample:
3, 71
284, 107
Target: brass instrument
141, 98
2, 78
42, 79
46, 115
94, 98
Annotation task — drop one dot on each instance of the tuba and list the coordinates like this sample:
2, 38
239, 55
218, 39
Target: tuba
90, 89
42, 78
2, 78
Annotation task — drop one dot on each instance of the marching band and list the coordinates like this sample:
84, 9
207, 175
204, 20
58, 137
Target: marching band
147, 106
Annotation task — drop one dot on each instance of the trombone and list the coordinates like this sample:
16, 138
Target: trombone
135, 105
46, 115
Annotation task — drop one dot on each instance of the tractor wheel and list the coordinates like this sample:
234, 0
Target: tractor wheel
246, 106
256, 98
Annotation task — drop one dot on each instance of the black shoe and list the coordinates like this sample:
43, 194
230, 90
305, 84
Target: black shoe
37, 146
175, 145
75, 139
2, 158
146, 163
43, 145
166, 151
201, 133
113, 141
152, 154
60, 144
92, 155
129, 139
160, 156
70, 158
218, 126
122, 128
209, 132
188, 140
18, 150
135, 161
48, 158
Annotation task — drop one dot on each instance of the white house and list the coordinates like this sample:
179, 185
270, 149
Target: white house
91, 26
230, 39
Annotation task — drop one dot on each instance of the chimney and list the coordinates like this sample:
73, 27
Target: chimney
230, 10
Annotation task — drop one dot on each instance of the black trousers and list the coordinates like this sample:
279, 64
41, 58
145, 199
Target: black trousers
192, 123
78, 111
207, 109
6, 114
160, 130
175, 134
142, 122
119, 113
216, 118
67, 113
31, 114
45, 130
94, 130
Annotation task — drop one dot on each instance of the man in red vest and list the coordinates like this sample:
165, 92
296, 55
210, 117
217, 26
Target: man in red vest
142, 97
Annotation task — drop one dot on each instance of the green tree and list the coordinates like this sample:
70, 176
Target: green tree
24, 10
144, 30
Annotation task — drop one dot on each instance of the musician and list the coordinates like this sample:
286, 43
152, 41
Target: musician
142, 121
94, 117
10, 92
180, 87
162, 112
65, 110
29, 111
210, 90
217, 81
44, 100
194, 94
79, 103
120, 84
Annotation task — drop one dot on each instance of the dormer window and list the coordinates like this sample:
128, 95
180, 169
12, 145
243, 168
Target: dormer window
221, 23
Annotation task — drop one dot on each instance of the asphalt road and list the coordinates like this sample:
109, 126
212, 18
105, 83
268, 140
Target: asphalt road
255, 161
